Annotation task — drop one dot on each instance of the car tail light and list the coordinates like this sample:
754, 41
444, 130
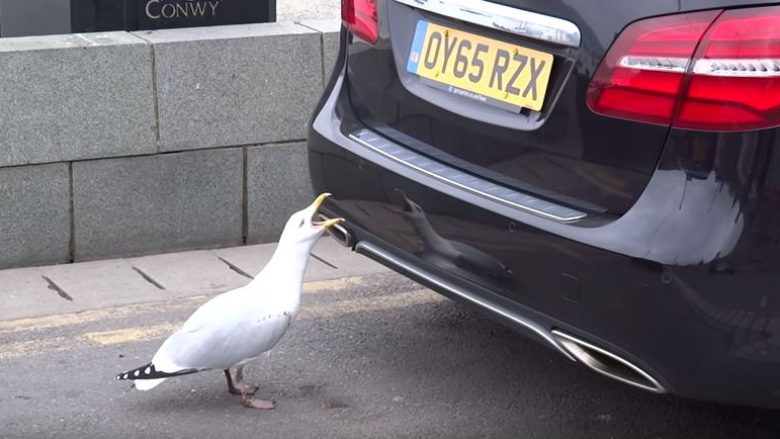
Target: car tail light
712, 70
359, 17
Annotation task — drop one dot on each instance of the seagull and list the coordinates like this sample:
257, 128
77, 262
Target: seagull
236, 327
448, 252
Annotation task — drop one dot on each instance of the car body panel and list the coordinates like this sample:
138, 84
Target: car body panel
564, 153
684, 283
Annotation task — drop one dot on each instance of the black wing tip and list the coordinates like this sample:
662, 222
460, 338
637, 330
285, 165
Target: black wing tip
150, 372
142, 372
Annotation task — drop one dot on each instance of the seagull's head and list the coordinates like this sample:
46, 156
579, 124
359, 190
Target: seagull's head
302, 229
411, 210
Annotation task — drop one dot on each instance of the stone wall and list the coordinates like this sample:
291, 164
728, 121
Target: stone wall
118, 144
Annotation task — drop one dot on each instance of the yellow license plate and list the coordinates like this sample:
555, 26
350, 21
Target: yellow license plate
481, 68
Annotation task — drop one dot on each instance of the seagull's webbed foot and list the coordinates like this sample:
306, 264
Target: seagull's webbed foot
246, 391
259, 404
243, 389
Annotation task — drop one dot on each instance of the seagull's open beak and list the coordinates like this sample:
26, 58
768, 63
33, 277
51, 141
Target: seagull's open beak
315, 206
328, 223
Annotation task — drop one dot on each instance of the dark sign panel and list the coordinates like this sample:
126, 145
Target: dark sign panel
105, 15
39, 17
157, 14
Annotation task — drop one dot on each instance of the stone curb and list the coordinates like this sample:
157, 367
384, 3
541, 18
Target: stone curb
69, 288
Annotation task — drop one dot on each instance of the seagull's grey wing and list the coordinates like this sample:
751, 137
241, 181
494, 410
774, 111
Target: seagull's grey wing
222, 308
223, 343
231, 304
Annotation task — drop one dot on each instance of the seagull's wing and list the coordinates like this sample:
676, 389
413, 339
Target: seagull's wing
227, 305
231, 328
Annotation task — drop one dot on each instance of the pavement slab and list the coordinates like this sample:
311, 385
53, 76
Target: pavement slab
24, 291
346, 262
189, 272
99, 283
39, 291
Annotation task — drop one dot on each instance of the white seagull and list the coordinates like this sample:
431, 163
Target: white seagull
236, 327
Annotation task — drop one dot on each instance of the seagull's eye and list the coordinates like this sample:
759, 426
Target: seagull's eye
303, 221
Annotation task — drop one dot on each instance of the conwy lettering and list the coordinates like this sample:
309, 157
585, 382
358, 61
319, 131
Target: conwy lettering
157, 9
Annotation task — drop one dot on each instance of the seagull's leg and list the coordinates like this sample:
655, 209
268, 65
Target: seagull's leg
231, 388
246, 391
242, 386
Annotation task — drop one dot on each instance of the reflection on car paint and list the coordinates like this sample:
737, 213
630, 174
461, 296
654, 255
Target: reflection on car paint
754, 332
447, 253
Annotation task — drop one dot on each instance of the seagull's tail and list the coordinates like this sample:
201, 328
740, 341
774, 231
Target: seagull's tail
147, 376
144, 385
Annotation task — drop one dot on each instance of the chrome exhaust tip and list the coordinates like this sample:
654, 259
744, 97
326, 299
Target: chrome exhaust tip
607, 363
341, 234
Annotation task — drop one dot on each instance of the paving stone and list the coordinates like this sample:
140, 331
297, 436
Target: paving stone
144, 205
101, 283
235, 85
195, 272
347, 262
331, 31
72, 97
252, 258
34, 215
25, 293
278, 186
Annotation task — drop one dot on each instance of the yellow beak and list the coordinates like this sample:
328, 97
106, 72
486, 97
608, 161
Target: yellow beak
315, 206
329, 223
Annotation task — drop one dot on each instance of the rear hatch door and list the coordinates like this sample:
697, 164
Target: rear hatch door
525, 128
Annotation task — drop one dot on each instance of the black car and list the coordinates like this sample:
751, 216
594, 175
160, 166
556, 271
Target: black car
602, 175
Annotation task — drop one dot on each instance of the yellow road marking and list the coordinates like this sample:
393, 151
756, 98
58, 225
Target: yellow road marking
94, 315
128, 335
370, 304
334, 309
122, 311
34, 346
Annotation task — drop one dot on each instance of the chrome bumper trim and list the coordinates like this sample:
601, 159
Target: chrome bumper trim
371, 249
464, 181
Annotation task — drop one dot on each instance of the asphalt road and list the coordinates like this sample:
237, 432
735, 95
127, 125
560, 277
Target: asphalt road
372, 356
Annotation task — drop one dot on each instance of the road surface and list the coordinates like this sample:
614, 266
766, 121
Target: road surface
370, 356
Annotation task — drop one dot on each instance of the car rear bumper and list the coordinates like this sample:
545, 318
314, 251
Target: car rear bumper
669, 287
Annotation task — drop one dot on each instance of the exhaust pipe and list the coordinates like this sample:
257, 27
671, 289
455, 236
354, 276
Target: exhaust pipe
341, 234
607, 364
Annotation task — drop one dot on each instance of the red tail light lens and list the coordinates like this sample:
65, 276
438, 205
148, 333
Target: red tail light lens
735, 74
359, 17
708, 70
642, 75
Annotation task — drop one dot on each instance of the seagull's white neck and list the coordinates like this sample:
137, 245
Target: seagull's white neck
284, 275
288, 262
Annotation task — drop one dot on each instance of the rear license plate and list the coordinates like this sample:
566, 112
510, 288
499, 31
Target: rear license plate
481, 68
